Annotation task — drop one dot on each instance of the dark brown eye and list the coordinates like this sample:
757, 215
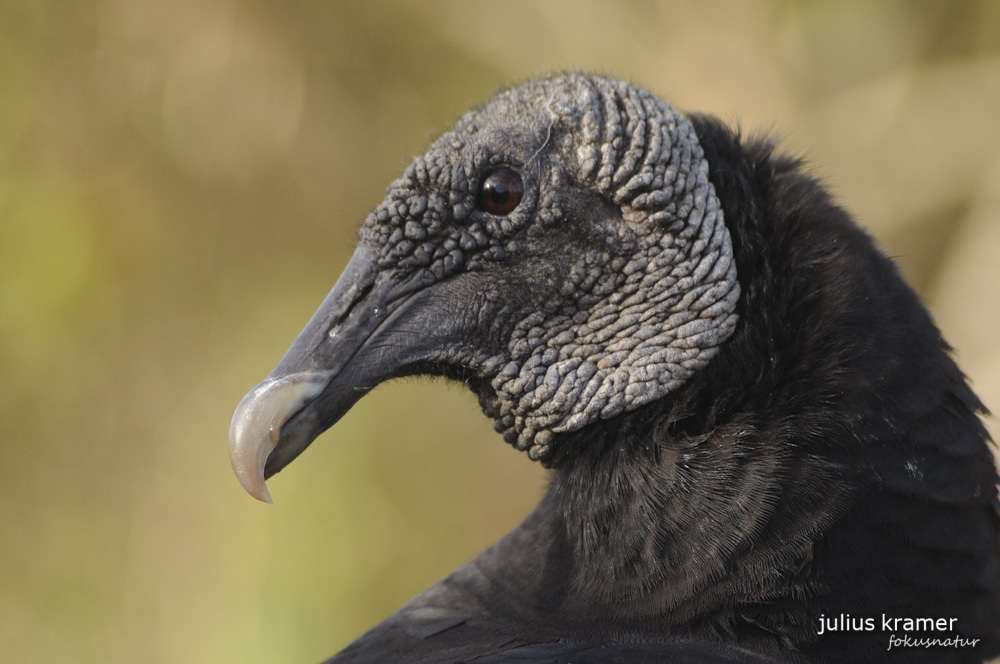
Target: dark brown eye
501, 191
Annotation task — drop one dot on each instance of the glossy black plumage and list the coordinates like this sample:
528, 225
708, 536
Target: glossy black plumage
827, 461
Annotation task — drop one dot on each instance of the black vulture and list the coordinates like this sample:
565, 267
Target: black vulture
760, 449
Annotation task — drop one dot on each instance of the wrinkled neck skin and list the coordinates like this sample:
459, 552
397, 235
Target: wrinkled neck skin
655, 520
745, 505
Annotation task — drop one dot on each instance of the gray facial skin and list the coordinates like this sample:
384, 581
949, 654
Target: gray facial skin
604, 289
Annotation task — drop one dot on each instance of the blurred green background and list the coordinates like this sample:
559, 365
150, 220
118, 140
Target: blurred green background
180, 185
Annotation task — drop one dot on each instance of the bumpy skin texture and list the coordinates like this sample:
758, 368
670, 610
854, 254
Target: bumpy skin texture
626, 325
752, 422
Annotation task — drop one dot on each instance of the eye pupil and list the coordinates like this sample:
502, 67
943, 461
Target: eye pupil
499, 195
501, 191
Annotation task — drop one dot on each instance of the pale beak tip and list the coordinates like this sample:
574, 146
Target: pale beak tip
253, 483
256, 425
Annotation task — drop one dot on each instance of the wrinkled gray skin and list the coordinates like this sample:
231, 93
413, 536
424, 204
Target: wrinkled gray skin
603, 290
624, 321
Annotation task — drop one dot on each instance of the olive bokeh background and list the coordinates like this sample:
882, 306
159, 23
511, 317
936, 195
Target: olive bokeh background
180, 185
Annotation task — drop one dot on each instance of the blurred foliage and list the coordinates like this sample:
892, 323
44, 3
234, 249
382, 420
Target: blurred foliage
180, 184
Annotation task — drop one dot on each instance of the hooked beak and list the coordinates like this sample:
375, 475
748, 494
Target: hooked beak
326, 370
258, 422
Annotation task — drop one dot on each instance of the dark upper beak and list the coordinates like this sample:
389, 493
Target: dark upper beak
352, 343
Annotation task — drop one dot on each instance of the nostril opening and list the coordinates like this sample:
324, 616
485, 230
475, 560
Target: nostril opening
362, 283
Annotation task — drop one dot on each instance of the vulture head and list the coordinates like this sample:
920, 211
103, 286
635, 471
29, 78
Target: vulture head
562, 250
753, 423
